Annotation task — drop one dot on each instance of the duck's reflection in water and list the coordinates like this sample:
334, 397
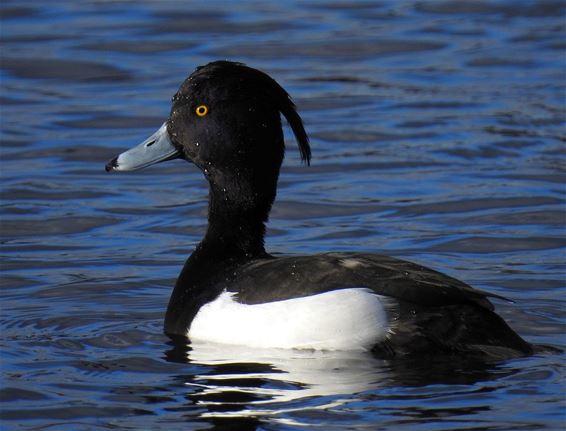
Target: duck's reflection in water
282, 376
237, 383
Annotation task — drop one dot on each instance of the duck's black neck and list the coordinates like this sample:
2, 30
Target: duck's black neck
237, 214
236, 220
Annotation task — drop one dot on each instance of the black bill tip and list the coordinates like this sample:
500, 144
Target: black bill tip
112, 164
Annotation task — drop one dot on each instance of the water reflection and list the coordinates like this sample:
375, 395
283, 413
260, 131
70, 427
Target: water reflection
239, 383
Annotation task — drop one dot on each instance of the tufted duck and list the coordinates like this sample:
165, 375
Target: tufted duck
225, 119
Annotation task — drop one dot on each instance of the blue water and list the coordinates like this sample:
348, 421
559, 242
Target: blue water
438, 136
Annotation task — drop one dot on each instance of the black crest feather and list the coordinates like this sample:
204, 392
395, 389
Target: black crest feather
290, 112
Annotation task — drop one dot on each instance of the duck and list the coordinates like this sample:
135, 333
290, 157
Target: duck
226, 119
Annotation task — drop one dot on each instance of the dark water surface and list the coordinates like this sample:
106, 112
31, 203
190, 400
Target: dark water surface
438, 136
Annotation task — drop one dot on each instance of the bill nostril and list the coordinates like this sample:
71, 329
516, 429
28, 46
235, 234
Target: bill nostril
149, 144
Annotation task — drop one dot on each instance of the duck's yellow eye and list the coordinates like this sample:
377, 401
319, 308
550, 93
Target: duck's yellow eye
201, 110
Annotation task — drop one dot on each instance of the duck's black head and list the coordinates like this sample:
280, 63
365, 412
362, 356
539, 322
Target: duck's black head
225, 116
226, 119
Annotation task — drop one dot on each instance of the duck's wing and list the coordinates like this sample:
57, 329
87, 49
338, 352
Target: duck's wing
430, 313
277, 279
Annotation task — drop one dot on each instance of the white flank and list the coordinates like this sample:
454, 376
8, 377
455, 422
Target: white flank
346, 319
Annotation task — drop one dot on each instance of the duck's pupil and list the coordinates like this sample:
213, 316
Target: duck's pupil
202, 110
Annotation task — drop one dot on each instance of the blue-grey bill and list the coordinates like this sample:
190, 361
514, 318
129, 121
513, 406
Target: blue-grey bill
157, 148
